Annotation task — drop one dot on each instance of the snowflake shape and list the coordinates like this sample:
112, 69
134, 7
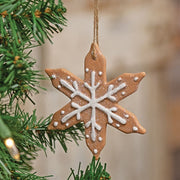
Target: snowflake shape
94, 101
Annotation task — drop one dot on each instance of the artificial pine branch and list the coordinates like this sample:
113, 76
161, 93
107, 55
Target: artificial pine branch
25, 24
31, 135
95, 171
17, 76
29, 20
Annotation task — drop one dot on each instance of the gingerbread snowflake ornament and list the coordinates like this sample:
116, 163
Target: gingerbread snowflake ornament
94, 101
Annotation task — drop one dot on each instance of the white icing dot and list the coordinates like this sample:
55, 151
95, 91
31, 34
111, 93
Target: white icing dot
87, 70
126, 115
59, 86
53, 76
55, 124
114, 109
87, 136
68, 77
136, 78
135, 128
111, 121
95, 151
67, 124
62, 112
117, 125
119, 79
123, 93
100, 73
100, 139
111, 86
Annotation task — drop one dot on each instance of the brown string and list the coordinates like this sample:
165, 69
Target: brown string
96, 21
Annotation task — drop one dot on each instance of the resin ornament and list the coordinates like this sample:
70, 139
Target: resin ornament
94, 101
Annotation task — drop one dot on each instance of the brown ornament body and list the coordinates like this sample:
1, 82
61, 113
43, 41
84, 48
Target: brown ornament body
94, 101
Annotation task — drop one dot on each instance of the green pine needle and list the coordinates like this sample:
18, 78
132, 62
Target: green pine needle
30, 136
17, 77
25, 24
32, 19
94, 171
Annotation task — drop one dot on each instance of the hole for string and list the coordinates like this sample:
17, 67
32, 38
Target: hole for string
93, 52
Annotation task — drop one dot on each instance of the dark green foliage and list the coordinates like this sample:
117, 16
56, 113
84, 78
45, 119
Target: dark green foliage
95, 171
30, 136
25, 24
26, 21
17, 76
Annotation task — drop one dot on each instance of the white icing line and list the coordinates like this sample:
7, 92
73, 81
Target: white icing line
78, 93
113, 109
55, 124
78, 116
135, 128
75, 91
111, 92
136, 78
67, 85
93, 124
76, 106
111, 114
75, 85
73, 113
88, 124
110, 121
92, 103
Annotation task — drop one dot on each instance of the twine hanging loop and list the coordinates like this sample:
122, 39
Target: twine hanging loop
96, 28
